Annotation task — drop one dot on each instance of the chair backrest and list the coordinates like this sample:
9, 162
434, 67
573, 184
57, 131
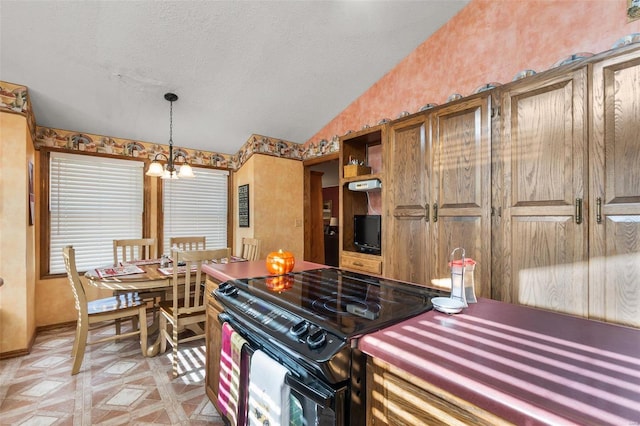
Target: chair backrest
133, 249
79, 295
250, 248
188, 289
188, 243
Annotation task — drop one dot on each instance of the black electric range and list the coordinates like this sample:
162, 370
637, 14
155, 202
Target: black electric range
310, 321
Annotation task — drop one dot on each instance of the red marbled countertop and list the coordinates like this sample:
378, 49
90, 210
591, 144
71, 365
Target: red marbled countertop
528, 366
255, 268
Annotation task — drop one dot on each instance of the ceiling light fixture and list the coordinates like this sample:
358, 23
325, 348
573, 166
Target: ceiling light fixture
170, 171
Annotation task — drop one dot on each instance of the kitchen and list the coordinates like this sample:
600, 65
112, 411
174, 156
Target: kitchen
584, 32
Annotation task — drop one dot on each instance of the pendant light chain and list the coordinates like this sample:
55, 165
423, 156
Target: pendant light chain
171, 122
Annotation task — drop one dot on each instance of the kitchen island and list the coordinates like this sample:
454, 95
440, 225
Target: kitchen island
502, 363
493, 363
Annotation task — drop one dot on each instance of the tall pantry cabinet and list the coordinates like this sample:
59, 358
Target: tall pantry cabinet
461, 187
570, 203
438, 191
406, 220
544, 164
614, 190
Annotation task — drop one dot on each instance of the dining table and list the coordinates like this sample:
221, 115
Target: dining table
140, 275
136, 276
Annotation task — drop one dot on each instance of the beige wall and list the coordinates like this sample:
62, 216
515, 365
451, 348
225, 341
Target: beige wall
17, 237
275, 204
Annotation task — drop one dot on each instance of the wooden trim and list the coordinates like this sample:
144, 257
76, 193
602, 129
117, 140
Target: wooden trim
323, 159
43, 202
306, 214
21, 352
230, 211
146, 207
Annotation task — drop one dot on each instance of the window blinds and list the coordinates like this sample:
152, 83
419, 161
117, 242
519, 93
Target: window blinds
196, 207
93, 200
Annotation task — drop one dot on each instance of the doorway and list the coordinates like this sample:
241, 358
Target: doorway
321, 210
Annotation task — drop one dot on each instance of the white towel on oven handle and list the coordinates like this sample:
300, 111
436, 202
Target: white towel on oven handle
268, 392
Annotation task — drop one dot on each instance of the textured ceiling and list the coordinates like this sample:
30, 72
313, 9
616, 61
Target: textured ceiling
279, 69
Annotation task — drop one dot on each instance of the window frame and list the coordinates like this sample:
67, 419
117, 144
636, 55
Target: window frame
45, 216
230, 206
149, 194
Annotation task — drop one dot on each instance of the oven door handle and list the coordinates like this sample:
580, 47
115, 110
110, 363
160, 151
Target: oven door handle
319, 395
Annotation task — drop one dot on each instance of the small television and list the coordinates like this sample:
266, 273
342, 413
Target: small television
367, 233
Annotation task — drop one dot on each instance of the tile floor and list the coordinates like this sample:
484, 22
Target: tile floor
116, 385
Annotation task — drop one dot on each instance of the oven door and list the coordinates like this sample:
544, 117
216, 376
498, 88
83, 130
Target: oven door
312, 402
309, 407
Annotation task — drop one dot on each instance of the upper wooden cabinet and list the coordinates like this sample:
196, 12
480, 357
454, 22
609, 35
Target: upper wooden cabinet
614, 190
543, 156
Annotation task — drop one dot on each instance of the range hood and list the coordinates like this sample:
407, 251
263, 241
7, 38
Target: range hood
366, 185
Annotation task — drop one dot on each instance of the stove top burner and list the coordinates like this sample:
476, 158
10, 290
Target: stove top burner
346, 305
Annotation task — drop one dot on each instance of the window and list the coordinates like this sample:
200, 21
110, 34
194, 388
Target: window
92, 200
195, 207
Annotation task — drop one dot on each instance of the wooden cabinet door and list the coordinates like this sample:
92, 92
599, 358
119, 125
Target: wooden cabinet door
614, 267
406, 217
544, 165
461, 188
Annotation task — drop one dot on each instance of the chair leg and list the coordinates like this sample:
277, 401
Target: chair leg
163, 333
142, 322
175, 350
76, 339
81, 341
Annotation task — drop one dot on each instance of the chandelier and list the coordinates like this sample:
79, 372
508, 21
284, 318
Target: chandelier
170, 171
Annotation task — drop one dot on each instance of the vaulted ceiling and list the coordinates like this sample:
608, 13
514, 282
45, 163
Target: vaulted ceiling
277, 68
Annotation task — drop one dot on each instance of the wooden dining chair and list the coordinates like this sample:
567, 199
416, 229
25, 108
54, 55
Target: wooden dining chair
101, 313
188, 243
129, 250
188, 304
250, 248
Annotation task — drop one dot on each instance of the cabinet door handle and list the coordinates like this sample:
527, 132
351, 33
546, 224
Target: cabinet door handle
357, 264
598, 210
578, 211
435, 212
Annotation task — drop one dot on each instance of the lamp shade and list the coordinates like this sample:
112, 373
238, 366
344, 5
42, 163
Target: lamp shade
333, 221
155, 169
186, 171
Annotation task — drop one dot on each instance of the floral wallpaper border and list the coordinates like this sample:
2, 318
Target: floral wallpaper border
15, 99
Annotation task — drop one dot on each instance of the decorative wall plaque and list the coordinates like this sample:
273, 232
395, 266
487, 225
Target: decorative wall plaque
243, 206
